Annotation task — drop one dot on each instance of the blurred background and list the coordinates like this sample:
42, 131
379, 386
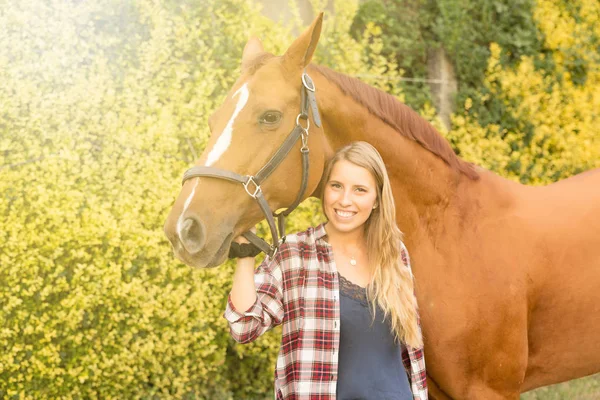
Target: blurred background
104, 104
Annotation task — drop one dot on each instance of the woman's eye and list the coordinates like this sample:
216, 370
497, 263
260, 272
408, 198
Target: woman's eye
270, 117
362, 190
335, 185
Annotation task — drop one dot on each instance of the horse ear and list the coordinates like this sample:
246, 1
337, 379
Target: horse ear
300, 53
253, 49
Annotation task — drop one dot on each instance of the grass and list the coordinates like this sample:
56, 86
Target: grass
579, 389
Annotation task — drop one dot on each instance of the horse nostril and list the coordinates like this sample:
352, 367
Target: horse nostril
192, 235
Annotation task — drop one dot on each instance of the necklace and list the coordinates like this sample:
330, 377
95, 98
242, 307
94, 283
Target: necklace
353, 261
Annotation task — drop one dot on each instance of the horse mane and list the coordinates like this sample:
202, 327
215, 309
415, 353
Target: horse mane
400, 117
390, 110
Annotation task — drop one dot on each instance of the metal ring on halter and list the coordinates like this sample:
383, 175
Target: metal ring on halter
308, 85
300, 125
257, 187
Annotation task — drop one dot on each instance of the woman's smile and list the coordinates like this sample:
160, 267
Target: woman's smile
345, 214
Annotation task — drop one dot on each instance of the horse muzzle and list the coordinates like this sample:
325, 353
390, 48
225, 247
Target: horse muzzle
192, 246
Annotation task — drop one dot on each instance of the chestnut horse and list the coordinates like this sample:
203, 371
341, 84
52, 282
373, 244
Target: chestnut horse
507, 275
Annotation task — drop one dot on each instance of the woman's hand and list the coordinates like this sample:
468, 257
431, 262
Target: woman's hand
242, 249
240, 239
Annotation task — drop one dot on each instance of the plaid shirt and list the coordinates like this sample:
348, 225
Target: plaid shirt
299, 287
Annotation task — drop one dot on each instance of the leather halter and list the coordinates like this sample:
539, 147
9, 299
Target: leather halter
252, 183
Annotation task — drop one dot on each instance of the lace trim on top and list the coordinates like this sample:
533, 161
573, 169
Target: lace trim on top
354, 291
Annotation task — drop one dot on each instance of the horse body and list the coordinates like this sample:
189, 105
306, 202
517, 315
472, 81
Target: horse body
507, 279
565, 312
507, 276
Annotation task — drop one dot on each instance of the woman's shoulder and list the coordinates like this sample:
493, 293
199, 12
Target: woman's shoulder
299, 243
304, 239
295, 247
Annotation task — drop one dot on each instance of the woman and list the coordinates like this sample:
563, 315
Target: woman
343, 292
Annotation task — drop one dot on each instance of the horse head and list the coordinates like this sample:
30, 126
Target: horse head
255, 120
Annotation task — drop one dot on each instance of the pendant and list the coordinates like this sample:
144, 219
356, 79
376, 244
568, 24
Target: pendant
352, 261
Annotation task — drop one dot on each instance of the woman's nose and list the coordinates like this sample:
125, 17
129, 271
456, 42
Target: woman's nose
346, 199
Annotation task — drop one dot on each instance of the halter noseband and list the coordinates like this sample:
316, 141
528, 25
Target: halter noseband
252, 183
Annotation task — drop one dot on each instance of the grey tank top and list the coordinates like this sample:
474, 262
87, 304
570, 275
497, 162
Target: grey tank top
370, 361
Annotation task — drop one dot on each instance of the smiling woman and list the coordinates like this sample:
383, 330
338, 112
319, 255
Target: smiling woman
342, 290
349, 196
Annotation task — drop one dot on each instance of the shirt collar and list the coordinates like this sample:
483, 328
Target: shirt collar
320, 231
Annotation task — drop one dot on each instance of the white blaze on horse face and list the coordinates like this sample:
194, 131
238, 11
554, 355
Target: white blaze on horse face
185, 207
224, 140
221, 146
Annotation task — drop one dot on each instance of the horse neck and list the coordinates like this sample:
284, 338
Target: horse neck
424, 186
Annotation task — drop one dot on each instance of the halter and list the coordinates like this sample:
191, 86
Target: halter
251, 183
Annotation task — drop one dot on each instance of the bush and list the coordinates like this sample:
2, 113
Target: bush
104, 105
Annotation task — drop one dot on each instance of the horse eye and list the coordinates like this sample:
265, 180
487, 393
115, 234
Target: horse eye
270, 117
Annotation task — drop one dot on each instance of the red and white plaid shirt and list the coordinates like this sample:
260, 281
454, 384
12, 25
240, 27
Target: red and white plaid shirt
299, 287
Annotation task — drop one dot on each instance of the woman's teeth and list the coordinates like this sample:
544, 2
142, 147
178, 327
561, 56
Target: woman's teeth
345, 214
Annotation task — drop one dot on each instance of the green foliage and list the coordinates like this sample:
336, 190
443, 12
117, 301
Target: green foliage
465, 29
104, 105
549, 129
101, 104
406, 36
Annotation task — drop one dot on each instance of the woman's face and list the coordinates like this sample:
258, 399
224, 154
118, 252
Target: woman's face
349, 197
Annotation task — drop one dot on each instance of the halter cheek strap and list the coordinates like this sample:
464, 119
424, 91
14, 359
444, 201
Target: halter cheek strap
251, 183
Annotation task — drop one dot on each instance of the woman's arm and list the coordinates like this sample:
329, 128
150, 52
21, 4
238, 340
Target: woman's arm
243, 291
255, 303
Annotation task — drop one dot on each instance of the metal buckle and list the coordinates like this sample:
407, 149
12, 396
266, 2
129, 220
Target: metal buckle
257, 188
272, 252
307, 82
304, 138
275, 248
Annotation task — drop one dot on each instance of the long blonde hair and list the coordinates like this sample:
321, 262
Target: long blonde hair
391, 286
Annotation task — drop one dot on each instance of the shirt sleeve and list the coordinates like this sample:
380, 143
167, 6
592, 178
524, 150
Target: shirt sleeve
418, 375
267, 310
414, 358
